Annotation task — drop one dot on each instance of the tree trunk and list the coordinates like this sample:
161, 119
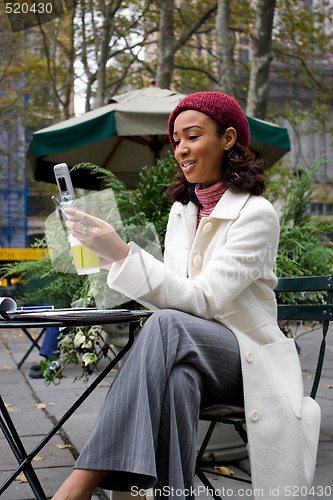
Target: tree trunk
169, 44
102, 61
166, 46
109, 11
223, 46
261, 59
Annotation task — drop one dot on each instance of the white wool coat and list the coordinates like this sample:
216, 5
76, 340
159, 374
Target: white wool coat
223, 271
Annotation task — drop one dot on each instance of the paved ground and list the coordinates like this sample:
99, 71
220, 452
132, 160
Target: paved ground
34, 408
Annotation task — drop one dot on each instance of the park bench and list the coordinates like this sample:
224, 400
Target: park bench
305, 310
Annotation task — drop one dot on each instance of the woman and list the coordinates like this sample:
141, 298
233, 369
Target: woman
215, 337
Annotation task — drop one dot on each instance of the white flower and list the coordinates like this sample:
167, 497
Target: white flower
79, 339
89, 358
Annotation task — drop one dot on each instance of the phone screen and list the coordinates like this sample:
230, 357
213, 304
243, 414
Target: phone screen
62, 184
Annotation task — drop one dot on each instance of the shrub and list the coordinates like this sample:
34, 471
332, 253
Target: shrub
304, 248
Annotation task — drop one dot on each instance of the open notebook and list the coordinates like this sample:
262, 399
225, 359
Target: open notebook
10, 312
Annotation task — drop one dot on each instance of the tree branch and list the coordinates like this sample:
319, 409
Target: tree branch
200, 70
193, 28
49, 68
304, 65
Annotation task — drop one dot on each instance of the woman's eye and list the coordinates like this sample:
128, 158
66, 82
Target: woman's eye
176, 143
192, 137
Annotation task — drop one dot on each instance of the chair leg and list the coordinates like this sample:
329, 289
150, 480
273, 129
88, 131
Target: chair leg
201, 472
203, 478
210, 488
320, 361
34, 344
242, 432
205, 443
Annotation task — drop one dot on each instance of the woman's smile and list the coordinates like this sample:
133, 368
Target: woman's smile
187, 165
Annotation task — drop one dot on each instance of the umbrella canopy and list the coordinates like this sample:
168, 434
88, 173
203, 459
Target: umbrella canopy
126, 135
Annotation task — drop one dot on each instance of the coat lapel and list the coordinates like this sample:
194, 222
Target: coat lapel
186, 234
230, 205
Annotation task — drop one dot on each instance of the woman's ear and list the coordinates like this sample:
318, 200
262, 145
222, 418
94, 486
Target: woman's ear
230, 137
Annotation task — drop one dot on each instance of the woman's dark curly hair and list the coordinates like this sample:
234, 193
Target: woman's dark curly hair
242, 172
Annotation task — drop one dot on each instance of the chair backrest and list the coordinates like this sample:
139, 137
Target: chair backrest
307, 311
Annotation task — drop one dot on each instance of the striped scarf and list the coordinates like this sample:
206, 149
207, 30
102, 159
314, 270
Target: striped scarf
208, 198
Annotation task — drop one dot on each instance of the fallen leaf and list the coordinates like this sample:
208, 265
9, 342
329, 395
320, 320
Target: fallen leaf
62, 446
8, 351
330, 386
40, 405
224, 470
9, 408
21, 478
50, 404
37, 458
7, 367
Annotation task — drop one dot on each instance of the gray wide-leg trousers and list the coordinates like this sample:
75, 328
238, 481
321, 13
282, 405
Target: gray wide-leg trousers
145, 434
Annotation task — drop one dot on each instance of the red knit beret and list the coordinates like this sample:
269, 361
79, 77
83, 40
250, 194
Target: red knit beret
221, 107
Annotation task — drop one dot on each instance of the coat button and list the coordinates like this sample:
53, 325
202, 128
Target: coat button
197, 261
206, 227
254, 415
249, 357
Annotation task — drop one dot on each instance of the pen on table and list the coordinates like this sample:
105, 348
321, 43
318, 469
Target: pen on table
35, 308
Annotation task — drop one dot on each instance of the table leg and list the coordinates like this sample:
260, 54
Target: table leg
18, 450
25, 461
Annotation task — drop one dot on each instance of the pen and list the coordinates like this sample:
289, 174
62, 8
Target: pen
35, 308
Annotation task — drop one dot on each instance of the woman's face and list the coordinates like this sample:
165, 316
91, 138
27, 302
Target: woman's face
198, 149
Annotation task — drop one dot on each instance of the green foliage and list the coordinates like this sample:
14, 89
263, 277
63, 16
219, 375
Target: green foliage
76, 346
280, 179
123, 197
149, 197
304, 248
302, 254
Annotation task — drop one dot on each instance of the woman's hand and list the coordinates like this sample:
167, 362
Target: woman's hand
97, 235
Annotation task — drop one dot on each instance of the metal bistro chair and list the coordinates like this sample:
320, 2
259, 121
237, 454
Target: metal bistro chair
293, 312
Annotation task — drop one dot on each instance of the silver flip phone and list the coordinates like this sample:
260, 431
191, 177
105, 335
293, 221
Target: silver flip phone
66, 190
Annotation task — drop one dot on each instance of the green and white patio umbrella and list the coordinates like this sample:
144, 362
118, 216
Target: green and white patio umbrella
126, 135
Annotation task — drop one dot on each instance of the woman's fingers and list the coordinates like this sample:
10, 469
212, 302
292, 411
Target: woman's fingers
82, 221
78, 215
97, 235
